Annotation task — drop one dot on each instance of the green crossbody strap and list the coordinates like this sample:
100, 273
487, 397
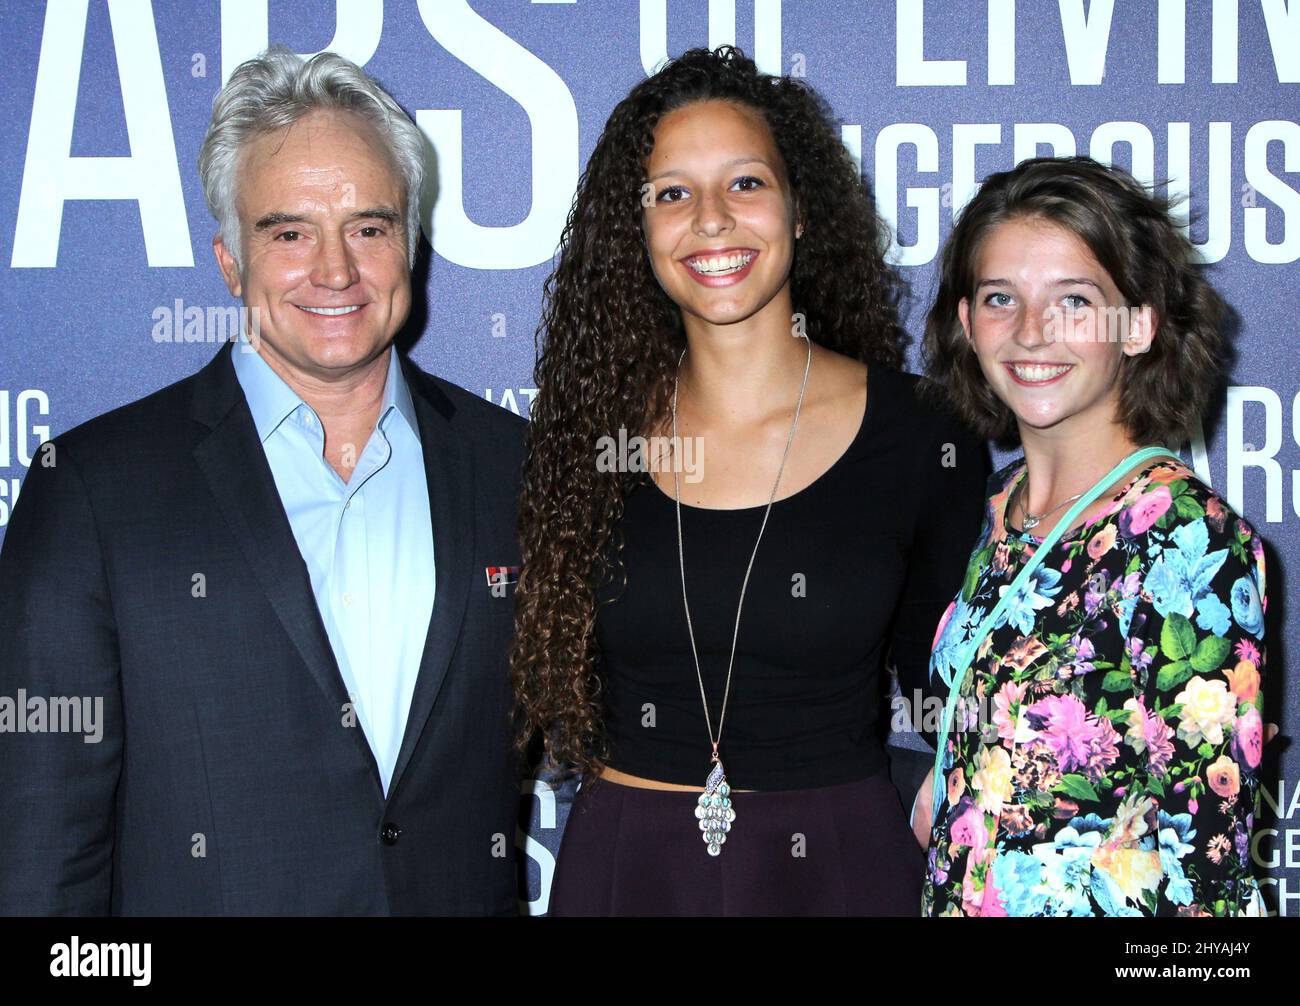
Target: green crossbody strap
986, 626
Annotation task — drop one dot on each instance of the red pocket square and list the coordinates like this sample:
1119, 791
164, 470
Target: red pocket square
502, 574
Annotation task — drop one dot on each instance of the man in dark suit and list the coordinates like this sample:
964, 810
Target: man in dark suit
280, 588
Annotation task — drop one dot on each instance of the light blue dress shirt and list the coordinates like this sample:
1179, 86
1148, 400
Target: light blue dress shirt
367, 542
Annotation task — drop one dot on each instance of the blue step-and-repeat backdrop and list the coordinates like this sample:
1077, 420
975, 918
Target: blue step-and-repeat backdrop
108, 276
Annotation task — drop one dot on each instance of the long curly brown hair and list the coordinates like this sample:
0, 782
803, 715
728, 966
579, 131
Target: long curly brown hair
608, 344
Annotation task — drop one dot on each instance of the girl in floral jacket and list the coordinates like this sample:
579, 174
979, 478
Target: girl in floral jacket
1104, 752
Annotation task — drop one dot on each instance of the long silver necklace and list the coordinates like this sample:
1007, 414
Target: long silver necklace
1030, 521
713, 810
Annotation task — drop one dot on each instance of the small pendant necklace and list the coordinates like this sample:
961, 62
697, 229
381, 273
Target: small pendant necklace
1030, 521
713, 810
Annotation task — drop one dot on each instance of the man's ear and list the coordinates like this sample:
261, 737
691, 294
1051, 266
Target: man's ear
963, 315
1141, 330
229, 268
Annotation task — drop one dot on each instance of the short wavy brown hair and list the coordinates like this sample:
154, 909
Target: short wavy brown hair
1131, 233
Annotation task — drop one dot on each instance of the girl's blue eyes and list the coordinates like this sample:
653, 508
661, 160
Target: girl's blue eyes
749, 183
1076, 301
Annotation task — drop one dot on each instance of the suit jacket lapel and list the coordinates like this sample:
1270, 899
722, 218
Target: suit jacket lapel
449, 472
235, 466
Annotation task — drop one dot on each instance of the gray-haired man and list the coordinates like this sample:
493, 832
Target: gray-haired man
286, 576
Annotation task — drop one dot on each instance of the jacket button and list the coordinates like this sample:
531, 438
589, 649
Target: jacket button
389, 833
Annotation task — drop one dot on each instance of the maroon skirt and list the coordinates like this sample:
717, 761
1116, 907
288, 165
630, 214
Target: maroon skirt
835, 850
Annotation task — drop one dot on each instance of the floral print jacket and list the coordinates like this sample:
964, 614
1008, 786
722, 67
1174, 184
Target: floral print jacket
1104, 753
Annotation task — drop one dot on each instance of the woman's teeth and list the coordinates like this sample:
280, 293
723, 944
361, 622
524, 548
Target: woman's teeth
1038, 372
721, 265
331, 311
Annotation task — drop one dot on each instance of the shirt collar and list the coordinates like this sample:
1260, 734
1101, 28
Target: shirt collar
397, 394
272, 401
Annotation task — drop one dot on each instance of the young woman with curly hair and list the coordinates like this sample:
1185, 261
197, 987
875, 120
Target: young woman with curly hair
1106, 759
726, 615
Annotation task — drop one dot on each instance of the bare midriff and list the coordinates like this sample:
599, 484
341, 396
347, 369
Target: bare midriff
625, 779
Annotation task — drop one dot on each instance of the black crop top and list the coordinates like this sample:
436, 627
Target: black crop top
857, 567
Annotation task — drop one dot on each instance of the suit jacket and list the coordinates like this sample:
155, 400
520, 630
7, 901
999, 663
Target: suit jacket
152, 565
